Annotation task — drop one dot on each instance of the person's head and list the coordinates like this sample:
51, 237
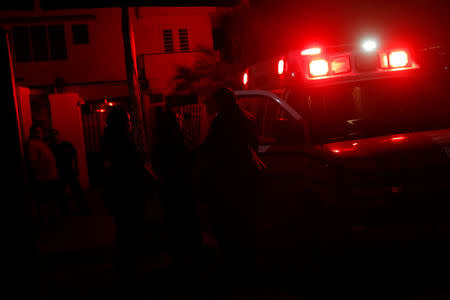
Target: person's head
36, 132
223, 100
119, 120
54, 136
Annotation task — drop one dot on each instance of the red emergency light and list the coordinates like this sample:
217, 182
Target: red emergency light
398, 59
394, 59
318, 67
311, 51
245, 78
281, 66
341, 65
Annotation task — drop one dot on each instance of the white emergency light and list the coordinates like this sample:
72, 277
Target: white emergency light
369, 45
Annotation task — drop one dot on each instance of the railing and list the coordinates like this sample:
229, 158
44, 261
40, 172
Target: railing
93, 127
192, 121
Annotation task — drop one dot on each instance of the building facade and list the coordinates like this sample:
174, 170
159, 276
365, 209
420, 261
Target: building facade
81, 52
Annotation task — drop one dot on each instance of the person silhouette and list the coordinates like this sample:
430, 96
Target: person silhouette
67, 165
172, 161
231, 181
126, 190
43, 174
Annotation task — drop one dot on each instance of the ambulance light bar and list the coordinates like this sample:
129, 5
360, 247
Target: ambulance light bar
311, 51
318, 67
394, 59
369, 45
321, 67
385, 61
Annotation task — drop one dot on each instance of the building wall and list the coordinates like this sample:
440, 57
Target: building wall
99, 61
151, 21
102, 60
160, 66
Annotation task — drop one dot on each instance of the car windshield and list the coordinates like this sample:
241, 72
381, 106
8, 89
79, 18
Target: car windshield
374, 108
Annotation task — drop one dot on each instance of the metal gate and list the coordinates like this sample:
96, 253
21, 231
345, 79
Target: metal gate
93, 126
192, 120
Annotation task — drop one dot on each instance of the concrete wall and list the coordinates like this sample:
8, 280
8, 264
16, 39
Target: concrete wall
149, 23
100, 60
25, 117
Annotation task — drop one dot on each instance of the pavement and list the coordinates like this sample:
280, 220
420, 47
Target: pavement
75, 259
76, 252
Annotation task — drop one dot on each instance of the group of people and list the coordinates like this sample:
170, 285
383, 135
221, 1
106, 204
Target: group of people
223, 174
52, 167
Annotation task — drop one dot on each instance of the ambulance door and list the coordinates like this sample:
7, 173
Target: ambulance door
281, 211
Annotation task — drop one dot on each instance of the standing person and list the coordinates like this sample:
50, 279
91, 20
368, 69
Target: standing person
230, 181
125, 193
42, 170
67, 165
172, 162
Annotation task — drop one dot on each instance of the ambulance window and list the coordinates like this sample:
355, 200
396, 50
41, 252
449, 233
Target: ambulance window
255, 106
274, 124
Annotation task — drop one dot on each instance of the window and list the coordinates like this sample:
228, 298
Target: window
22, 46
274, 124
168, 40
218, 38
57, 42
80, 34
184, 39
39, 43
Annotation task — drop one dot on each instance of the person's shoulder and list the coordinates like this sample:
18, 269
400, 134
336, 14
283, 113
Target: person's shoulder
31, 146
36, 144
67, 144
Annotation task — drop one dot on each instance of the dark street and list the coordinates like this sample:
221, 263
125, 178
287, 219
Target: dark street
226, 149
76, 260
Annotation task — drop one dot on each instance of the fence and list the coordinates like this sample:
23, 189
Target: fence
93, 126
191, 120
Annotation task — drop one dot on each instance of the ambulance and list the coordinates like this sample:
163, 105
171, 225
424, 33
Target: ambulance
356, 142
